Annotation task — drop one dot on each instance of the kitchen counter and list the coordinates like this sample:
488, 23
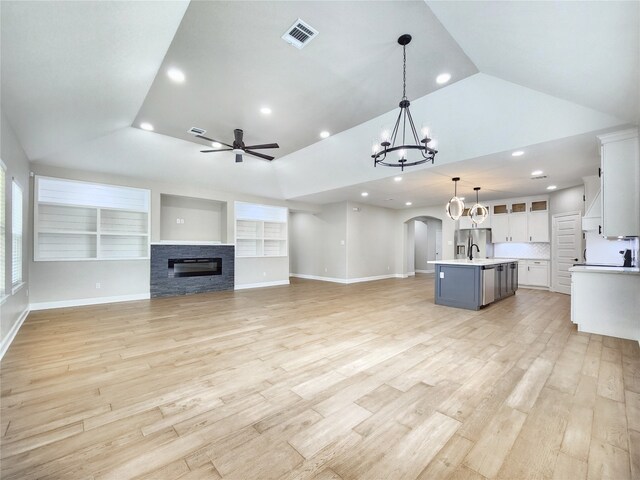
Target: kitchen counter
476, 262
473, 284
596, 269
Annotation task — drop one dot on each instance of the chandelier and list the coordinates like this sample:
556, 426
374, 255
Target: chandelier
404, 125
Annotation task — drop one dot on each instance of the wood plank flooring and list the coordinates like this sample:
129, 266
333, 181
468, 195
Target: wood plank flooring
319, 381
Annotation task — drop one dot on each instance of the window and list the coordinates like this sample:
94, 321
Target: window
3, 201
16, 234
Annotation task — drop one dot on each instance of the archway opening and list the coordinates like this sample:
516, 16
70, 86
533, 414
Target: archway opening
423, 244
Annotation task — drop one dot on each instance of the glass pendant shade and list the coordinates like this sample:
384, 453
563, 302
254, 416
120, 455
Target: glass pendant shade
478, 213
455, 207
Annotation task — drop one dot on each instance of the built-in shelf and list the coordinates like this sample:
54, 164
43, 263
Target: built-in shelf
87, 221
261, 230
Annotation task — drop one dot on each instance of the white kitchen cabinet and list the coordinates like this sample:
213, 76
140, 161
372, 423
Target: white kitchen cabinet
465, 220
533, 273
520, 220
518, 228
538, 226
620, 181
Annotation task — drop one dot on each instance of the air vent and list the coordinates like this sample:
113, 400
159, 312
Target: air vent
299, 34
196, 131
539, 177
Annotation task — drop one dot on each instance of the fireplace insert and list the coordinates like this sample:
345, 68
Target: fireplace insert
194, 267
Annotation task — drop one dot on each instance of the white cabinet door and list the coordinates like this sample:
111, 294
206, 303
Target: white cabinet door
522, 272
500, 228
538, 273
538, 227
620, 173
518, 227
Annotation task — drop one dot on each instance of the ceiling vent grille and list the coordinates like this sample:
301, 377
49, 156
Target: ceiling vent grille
196, 131
538, 177
299, 34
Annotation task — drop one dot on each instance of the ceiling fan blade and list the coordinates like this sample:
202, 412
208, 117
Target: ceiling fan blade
260, 155
217, 150
266, 145
238, 157
212, 140
237, 134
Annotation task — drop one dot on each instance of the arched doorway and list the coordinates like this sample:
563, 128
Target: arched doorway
423, 243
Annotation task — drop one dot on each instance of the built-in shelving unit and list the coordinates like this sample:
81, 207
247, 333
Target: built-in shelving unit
87, 221
261, 230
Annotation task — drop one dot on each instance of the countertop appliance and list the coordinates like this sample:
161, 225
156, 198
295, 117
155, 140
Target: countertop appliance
466, 237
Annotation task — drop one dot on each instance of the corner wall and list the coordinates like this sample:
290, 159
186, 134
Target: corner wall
15, 307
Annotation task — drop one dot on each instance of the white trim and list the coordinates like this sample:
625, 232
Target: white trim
535, 287
6, 341
411, 274
88, 301
16, 288
260, 285
3, 298
347, 281
425, 271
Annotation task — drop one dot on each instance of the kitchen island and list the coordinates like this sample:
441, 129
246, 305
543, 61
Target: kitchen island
473, 284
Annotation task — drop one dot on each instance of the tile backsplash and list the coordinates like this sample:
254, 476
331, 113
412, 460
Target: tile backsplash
522, 250
607, 251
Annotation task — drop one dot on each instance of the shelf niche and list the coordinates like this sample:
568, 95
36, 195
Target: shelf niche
189, 219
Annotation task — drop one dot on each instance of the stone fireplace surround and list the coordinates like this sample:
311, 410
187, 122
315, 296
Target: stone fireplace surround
162, 285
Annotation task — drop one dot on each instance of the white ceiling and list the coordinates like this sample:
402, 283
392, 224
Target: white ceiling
584, 52
76, 76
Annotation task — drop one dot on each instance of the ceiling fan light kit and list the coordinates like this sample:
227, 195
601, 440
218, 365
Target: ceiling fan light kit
455, 207
418, 149
238, 147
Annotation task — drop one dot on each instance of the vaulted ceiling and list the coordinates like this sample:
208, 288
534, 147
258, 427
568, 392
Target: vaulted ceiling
78, 78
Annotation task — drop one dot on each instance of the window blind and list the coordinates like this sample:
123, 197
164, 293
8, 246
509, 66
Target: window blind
16, 234
3, 228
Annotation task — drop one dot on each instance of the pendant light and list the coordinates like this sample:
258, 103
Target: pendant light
478, 213
455, 207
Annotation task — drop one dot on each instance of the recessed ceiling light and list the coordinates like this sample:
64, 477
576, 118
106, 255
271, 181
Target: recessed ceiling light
397, 179
517, 153
324, 134
365, 194
408, 204
176, 75
443, 78
216, 144
146, 126
265, 111
537, 172
551, 187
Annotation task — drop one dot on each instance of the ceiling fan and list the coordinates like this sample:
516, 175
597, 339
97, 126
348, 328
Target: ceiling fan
239, 148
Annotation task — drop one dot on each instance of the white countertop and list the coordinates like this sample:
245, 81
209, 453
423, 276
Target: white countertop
594, 269
478, 262
527, 258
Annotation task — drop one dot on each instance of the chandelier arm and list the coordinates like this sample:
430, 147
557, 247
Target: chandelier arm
404, 126
394, 134
415, 134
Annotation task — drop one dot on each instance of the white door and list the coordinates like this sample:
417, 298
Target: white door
566, 249
438, 244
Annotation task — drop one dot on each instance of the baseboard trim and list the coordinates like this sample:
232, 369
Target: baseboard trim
347, 281
425, 271
80, 302
6, 342
246, 286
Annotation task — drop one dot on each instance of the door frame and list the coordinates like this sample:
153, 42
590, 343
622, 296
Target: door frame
554, 234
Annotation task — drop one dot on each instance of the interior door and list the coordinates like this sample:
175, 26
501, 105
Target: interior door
567, 249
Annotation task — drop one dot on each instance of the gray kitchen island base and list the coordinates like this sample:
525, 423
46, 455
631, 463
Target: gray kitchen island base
473, 284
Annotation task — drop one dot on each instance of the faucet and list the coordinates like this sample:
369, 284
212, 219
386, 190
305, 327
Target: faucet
471, 250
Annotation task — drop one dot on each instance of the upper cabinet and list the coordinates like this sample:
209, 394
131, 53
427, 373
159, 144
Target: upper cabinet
620, 184
520, 220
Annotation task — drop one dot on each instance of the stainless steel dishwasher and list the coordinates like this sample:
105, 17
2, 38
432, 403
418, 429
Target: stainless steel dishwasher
488, 284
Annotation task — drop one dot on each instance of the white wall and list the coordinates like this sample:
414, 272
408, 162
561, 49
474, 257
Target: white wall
76, 281
14, 308
203, 220
370, 241
411, 247
316, 242
566, 200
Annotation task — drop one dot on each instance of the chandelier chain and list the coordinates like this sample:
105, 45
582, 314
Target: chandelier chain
404, 72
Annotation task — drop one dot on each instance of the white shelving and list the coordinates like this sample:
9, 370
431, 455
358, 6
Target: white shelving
261, 230
85, 221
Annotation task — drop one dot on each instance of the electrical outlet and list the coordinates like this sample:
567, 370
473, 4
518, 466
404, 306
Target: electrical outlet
182, 221
388, 268
178, 221
98, 285
341, 242
264, 274
441, 274
325, 270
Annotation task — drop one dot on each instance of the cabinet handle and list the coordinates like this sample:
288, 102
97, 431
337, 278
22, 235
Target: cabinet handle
529, 238
600, 229
599, 172
507, 239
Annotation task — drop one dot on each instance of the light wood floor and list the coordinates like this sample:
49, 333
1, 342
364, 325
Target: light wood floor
318, 380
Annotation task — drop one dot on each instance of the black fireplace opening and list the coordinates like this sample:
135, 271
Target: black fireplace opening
194, 267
